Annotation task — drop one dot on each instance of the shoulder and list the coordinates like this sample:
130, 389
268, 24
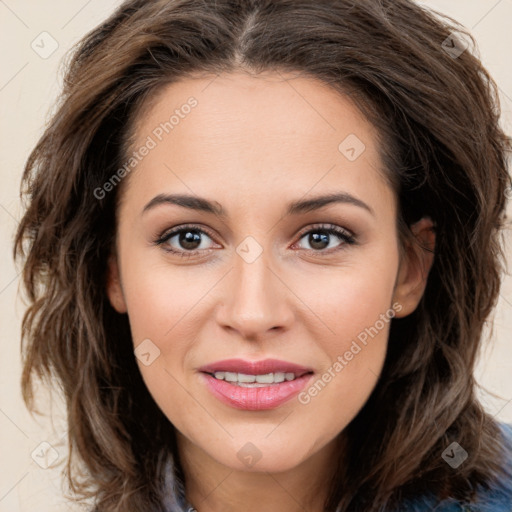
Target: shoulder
499, 497
496, 498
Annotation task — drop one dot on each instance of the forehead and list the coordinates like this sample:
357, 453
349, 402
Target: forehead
243, 133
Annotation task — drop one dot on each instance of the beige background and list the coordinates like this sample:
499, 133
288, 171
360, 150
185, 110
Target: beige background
28, 86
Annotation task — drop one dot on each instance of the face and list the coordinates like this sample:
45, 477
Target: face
285, 248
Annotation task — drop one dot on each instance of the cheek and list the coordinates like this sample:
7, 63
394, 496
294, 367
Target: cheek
161, 304
349, 300
354, 305
162, 299
353, 360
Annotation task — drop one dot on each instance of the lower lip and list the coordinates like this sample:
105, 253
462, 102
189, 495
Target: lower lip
256, 399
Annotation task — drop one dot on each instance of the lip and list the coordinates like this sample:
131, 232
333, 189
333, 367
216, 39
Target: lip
258, 398
255, 399
255, 367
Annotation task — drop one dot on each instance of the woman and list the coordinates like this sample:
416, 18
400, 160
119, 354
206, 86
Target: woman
261, 242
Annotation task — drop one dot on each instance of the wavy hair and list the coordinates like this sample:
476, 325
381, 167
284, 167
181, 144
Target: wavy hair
437, 117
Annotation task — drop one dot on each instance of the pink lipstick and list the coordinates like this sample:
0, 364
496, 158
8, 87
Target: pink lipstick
255, 385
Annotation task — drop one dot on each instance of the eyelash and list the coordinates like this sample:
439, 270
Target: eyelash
330, 229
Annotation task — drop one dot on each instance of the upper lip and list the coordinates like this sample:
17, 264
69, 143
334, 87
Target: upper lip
255, 367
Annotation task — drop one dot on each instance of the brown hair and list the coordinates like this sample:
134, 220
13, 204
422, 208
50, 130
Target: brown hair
438, 119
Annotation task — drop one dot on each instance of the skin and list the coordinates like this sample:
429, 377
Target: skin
252, 145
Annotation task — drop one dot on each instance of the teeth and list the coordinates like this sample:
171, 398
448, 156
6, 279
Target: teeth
230, 376
250, 385
268, 378
242, 377
254, 380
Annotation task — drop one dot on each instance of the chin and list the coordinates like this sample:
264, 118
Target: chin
256, 457
271, 464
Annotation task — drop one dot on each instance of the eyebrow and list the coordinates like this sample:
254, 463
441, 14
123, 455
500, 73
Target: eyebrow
293, 208
304, 206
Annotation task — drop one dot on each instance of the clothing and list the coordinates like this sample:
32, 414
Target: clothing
496, 499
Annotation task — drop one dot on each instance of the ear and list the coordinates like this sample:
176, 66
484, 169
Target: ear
415, 266
114, 289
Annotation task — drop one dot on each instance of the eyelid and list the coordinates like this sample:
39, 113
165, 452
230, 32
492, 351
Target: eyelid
325, 227
167, 233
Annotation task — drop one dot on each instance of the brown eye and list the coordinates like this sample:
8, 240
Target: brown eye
189, 240
321, 238
185, 241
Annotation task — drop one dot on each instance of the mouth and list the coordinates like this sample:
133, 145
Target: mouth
255, 385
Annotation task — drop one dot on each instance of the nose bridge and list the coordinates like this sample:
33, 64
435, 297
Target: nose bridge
256, 298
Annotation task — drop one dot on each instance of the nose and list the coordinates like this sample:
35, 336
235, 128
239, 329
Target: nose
256, 300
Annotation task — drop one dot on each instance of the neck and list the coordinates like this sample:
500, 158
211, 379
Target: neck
214, 487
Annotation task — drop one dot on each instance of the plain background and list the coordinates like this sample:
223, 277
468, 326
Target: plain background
29, 84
